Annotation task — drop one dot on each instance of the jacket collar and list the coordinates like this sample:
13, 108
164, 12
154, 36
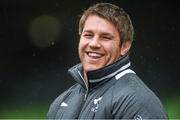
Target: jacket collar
100, 75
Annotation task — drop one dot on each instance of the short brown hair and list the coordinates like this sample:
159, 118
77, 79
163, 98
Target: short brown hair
115, 15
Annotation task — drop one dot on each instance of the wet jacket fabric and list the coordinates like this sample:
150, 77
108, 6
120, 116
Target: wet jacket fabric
113, 92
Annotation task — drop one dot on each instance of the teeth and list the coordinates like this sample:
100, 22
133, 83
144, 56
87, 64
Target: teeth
94, 54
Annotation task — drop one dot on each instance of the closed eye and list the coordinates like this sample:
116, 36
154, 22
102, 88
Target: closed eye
106, 38
88, 36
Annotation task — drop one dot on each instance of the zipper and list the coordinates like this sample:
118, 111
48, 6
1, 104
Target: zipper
85, 95
87, 89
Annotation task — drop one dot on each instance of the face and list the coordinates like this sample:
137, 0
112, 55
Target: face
99, 43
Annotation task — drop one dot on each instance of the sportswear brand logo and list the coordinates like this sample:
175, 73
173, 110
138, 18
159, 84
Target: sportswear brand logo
96, 104
63, 104
137, 117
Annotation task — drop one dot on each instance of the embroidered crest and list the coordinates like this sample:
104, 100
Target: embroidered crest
96, 104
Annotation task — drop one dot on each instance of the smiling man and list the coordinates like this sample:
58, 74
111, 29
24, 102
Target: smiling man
99, 44
106, 87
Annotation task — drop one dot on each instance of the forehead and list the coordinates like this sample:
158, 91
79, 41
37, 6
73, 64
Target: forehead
95, 23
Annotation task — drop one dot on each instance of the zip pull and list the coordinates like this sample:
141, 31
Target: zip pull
85, 96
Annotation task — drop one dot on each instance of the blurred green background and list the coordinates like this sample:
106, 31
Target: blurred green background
38, 43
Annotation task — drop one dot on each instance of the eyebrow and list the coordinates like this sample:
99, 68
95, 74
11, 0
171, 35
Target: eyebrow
107, 34
101, 33
87, 31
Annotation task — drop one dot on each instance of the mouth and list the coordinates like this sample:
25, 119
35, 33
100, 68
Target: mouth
94, 55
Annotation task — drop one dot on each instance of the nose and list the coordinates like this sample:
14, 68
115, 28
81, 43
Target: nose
95, 43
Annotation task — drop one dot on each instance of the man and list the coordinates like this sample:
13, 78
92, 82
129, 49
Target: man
106, 87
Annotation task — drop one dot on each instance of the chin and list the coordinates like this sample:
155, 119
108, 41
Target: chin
92, 67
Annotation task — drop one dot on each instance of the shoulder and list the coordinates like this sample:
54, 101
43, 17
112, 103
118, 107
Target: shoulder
132, 96
56, 103
66, 93
130, 85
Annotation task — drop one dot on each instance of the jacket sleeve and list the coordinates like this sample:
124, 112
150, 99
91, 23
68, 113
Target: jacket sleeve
55, 105
53, 109
137, 106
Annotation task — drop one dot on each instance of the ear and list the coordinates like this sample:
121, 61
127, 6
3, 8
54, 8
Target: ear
125, 47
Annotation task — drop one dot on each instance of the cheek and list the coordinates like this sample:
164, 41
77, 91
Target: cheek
110, 47
113, 50
80, 50
80, 44
81, 47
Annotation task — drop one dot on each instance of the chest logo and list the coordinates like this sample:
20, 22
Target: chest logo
96, 104
63, 104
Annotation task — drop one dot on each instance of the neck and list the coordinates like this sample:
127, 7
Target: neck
85, 77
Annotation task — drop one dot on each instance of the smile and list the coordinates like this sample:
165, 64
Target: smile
94, 55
